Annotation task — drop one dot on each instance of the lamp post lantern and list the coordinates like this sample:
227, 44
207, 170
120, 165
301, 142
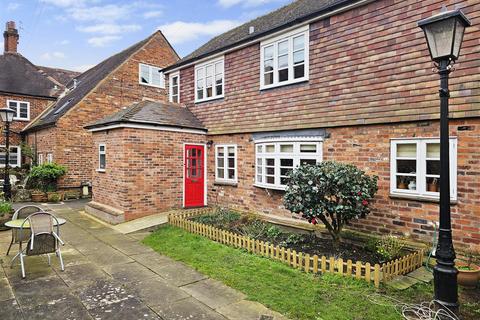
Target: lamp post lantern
7, 116
444, 35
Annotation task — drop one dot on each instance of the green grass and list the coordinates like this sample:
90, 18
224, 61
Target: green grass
291, 292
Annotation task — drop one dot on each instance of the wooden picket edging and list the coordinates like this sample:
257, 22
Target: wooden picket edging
298, 260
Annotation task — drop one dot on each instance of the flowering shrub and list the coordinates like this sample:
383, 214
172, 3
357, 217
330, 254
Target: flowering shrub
330, 192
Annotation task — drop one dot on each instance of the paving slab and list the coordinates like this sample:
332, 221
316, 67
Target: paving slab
102, 293
156, 292
129, 272
152, 260
187, 309
82, 275
37, 292
126, 245
402, 282
178, 274
248, 310
142, 223
106, 257
128, 309
63, 308
6, 292
10, 310
421, 274
213, 293
140, 235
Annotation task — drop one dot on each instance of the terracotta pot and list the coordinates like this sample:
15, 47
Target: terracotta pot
402, 185
39, 196
468, 278
432, 187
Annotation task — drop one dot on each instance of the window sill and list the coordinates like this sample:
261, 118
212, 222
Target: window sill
284, 84
209, 99
271, 187
225, 183
21, 119
417, 197
101, 170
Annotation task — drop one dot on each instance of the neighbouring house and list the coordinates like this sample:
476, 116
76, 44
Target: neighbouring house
344, 80
133, 75
26, 88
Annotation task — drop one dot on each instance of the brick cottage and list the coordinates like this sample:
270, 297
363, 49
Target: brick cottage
26, 88
347, 80
126, 77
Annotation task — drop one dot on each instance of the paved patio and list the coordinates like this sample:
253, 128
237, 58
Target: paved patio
109, 275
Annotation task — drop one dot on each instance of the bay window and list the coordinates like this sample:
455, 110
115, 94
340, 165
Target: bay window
284, 59
226, 163
209, 80
415, 168
275, 159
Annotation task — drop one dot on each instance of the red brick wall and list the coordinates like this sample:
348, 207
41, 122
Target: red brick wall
368, 147
45, 142
367, 65
119, 89
144, 171
37, 105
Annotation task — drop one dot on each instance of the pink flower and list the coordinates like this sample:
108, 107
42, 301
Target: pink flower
365, 202
359, 193
314, 221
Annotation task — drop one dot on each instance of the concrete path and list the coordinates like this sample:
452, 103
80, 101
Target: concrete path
109, 275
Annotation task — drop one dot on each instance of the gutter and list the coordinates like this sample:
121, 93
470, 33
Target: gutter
319, 15
28, 95
139, 125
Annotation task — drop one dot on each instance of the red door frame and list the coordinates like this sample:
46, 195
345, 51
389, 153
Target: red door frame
187, 187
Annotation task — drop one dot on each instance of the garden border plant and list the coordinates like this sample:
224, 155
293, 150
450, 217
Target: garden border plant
315, 264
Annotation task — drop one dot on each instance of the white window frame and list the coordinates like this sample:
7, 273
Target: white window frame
170, 86
296, 155
274, 41
49, 157
225, 178
151, 69
204, 66
17, 116
39, 158
421, 191
100, 153
19, 157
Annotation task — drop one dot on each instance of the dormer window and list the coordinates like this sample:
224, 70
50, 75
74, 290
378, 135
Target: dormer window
21, 108
209, 80
284, 59
151, 76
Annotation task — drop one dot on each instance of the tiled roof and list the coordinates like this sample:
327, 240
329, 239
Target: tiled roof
19, 76
61, 75
152, 113
291, 14
85, 83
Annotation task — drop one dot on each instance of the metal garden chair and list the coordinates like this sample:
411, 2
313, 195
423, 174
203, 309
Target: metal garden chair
44, 239
22, 213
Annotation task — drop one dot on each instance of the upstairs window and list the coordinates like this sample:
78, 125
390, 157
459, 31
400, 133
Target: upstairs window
49, 157
415, 168
102, 157
226, 163
284, 59
209, 80
274, 160
151, 76
21, 108
174, 83
14, 156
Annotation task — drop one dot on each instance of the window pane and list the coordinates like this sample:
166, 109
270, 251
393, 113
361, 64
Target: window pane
268, 52
433, 150
174, 81
270, 170
23, 110
270, 179
231, 162
283, 47
102, 161
259, 149
102, 148
406, 183
268, 78
259, 178
298, 57
283, 75
268, 65
270, 148
231, 173
144, 74
299, 43
157, 77
218, 84
406, 166
220, 173
308, 148
220, 162
308, 162
209, 82
407, 150
286, 148
286, 162
299, 71
433, 184
433, 167
270, 162
219, 68
200, 73
231, 151
259, 161
283, 62
209, 92
209, 71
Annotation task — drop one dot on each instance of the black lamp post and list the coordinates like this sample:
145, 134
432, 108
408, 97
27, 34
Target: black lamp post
7, 117
444, 34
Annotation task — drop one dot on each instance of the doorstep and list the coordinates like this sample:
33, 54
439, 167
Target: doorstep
142, 223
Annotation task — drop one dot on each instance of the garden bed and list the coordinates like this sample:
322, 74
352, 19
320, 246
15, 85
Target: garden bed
204, 222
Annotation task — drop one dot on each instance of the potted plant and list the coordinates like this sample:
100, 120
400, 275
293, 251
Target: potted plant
38, 195
468, 272
433, 185
46, 177
402, 183
6, 211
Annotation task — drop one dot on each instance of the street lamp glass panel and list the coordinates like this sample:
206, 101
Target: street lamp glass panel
459, 31
7, 114
440, 37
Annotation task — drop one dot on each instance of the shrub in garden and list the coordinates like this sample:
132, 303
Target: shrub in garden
221, 218
389, 247
255, 229
273, 232
45, 176
331, 192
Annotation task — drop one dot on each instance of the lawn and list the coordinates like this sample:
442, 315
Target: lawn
291, 292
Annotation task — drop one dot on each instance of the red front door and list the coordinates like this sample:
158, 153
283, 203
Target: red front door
194, 176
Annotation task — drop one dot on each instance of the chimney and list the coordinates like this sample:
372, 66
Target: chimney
11, 37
